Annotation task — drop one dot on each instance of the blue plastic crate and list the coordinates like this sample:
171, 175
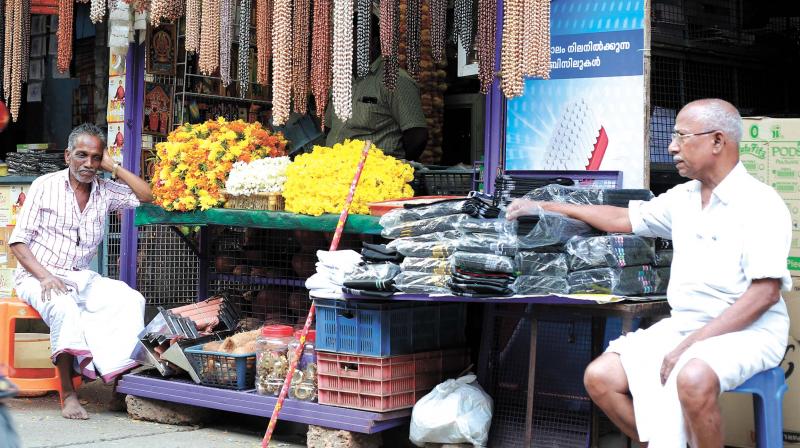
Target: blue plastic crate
388, 328
224, 370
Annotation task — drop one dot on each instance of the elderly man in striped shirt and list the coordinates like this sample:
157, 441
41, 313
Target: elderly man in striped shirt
94, 321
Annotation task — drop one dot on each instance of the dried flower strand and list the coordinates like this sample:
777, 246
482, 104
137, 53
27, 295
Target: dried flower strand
193, 13
302, 15
208, 60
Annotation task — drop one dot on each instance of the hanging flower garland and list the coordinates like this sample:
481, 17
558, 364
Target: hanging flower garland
263, 40
193, 12
462, 24
225, 38
19, 10
413, 39
169, 10
2, 49
390, 41
64, 35
487, 29
97, 11
511, 52
321, 49
438, 14
281, 61
208, 61
343, 58
363, 13
302, 15
244, 47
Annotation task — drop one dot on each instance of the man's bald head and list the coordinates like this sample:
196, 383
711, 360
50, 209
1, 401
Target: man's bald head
716, 114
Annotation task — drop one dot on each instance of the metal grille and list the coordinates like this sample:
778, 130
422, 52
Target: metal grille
166, 267
112, 246
562, 412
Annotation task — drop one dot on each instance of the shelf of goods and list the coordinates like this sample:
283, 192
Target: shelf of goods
248, 401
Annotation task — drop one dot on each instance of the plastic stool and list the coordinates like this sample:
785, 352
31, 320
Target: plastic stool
26, 380
767, 388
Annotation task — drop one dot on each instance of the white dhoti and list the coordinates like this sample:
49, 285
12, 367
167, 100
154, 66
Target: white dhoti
734, 357
97, 321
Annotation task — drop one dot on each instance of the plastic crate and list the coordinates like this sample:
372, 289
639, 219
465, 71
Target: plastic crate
447, 182
384, 384
388, 328
224, 370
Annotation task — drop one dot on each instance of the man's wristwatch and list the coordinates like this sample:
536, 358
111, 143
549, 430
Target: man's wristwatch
114, 170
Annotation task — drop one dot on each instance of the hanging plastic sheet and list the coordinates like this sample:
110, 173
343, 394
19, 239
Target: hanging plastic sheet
609, 251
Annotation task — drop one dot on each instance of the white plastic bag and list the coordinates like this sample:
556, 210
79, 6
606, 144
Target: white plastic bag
456, 411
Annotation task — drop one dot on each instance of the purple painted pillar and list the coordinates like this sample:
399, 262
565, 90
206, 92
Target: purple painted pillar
495, 116
134, 99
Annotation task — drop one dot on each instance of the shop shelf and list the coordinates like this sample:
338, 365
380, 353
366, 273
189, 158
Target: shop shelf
388, 328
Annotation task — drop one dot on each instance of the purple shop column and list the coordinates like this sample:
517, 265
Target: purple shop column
134, 99
495, 116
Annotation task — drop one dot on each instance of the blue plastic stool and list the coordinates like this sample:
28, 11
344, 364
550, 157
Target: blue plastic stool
767, 388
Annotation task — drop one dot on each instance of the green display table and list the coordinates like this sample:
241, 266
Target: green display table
149, 214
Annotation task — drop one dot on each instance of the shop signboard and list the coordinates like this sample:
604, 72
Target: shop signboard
590, 114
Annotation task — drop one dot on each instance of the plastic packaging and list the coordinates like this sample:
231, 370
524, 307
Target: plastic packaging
663, 258
400, 216
553, 229
373, 271
542, 264
537, 284
592, 196
427, 249
629, 281
421, 283
437, 236
615, 251
423, 226
436, 266
483, 262
304, 381
497, 226
487, 243
272, 361
663, 279
456, 411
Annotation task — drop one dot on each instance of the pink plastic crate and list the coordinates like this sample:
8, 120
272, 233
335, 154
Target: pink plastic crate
384, 384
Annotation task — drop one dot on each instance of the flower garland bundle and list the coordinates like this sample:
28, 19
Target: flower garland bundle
263, 40
281, 61
462, 24
64, 35
169, 10
97, 11
438, 14
511, 61
363, 17
413, 37
487, 29
208, 61
318, 182
259, 176
193, 12
343, 58
302, 15
390, 41
225, 40
245, 8
193, 164
321, 49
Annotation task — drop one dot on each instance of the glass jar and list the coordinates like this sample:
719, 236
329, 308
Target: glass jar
272, 362
304, 381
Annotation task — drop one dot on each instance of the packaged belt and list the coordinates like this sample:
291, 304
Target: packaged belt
618, 197
609, 251
410, 213
373, 271
663, 279
539, 284
421, 283
487, 243
484, 262
542, 264
438, 266
628, 281
663, 258
498, 226
423, 226
427, 249
449, 235
554, 229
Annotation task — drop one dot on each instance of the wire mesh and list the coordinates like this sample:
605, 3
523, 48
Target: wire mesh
562, 412
167, 269
112, 244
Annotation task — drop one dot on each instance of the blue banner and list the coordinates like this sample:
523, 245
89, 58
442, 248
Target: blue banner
595, 55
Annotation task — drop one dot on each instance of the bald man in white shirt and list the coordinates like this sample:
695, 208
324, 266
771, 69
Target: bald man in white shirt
731, 236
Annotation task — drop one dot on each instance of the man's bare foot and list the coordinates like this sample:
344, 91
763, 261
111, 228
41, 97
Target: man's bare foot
72, 408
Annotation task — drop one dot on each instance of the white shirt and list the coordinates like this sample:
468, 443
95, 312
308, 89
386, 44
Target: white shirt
58, 233
742, 235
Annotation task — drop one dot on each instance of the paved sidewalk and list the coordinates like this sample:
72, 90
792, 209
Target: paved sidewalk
39, 424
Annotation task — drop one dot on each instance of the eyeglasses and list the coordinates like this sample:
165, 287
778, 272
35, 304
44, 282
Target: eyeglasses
680, 137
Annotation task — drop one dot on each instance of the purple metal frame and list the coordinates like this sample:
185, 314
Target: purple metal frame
495, 116
134, 101
535, 300
248, 402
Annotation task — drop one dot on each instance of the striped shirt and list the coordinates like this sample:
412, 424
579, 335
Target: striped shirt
59, 235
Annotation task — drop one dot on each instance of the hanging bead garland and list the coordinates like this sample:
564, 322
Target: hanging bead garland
97, 11
544, 40
511, 52
321, 49
390, 41
438, 14
19, 10
302, 15
530, 34
193, 13
168, 10
208, 61
263, 40
413, 38
2, 49
487, 29
225, 38
7, 47
64, 35
363, 17
343, 58
281, 61
244, 47
462, 24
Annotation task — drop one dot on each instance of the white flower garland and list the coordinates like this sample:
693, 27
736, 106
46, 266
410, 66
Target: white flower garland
259, 176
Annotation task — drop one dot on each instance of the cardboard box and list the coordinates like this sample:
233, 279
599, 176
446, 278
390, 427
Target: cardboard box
32, 351
737, 409
770, 151
6, 281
